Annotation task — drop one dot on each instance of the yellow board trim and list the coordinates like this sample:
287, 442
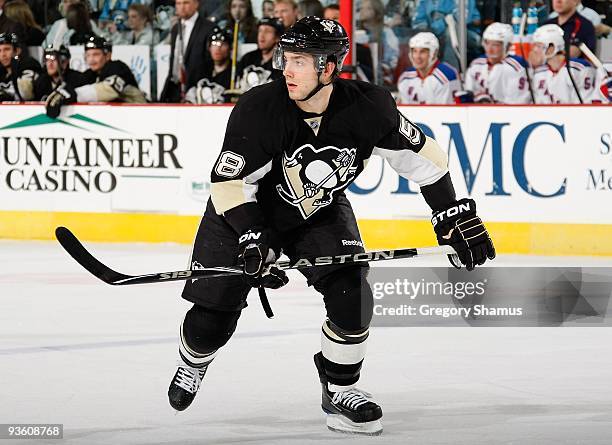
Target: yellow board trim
516, 238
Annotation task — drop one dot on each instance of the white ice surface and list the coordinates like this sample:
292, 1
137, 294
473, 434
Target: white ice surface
99, 359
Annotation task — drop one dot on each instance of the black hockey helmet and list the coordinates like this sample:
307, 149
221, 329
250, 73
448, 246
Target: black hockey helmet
274, 22
220, 35
62, 53
97, 42
9, 38
326, 39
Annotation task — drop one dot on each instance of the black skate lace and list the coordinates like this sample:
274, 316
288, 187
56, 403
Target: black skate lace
189, 378
352, 398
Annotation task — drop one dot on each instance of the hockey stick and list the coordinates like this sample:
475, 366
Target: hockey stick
569, 70
523, 22
76, 250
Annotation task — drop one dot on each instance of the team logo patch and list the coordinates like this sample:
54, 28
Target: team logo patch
253, 76
313, 175
329, 25
409, 131
208, 92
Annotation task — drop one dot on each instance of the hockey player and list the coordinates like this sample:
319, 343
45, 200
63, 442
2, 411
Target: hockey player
551, 81
428, 81
107, 80
17, 70
57, 70
255, 67
211, 89
291, 148
497, 76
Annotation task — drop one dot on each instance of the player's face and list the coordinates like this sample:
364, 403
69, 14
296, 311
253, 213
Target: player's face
420, 58
185, 8
286, 12
51, 64
331, 14
266, 38
494, 50
238, 9
300, 74
96, 59
7, 52
219, 51
537, 54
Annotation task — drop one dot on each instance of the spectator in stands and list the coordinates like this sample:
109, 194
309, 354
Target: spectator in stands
18, 71
189, 58
242, 11
428, 81
371, 16
307, 8
56, 72
107, 80
332, 12
430, 16
286, 10
551, 81
255, 67
267, 8
79, 25
497, 76
8, 26
140, 24
211, 89
576, 28
20, 12
59, 33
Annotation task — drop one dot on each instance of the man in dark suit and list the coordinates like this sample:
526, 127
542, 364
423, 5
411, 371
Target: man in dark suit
189, 59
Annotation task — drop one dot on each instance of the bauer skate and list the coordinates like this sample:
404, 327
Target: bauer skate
185, 385
352, 411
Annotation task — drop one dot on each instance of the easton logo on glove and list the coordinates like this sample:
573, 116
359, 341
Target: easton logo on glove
249, 236
462, 207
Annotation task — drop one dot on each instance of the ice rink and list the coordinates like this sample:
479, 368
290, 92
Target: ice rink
99, 359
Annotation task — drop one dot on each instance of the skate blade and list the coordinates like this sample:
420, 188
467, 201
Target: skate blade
341, 424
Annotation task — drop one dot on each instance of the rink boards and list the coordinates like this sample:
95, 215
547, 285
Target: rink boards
542, 176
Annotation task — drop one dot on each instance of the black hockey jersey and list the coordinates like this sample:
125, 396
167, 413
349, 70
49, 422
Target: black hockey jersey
252, 72
44, 84
286, 166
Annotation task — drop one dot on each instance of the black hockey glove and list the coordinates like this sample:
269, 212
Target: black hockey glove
256, 257
459, 226
63, 94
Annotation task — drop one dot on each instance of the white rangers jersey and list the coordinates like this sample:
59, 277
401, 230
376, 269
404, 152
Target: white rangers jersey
555, 87
437, 87
504, 82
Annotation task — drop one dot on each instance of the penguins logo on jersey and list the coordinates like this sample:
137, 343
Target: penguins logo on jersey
208, 92
312, 175
254, 76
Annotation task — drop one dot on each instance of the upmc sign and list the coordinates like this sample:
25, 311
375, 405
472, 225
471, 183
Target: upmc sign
521, 164
544, 164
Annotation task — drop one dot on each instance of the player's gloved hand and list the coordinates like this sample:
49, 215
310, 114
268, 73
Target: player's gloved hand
459, 226
63, 94
256, 257
6, 96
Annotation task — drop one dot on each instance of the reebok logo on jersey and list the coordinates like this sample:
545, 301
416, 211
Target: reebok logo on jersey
352, 242
449, 213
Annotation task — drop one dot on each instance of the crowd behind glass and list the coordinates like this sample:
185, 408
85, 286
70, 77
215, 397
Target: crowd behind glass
405, 45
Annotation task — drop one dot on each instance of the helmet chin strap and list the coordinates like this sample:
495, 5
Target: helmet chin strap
316, 89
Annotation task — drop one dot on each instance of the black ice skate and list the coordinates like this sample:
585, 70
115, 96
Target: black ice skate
351, 411
184, 386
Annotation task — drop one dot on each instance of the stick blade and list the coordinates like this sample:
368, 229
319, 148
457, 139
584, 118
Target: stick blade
76, 250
